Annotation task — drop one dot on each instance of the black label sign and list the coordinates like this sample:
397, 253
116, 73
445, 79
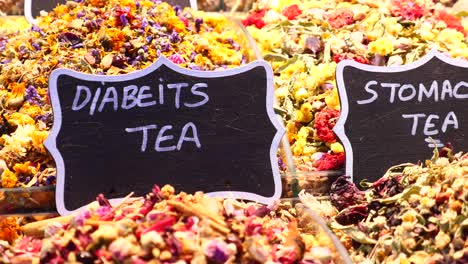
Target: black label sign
393, 115
198, 131
33, 8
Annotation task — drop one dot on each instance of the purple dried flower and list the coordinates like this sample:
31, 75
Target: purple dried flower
233, 44
50, 180
198, 23
32, 96
149, 39
144, 23
24, 178
123, 19
165, 47
155, 25
281, 164
46, 118
91, 24
81, 217
217, 251
177, 9
69, 37
3, 42
23, 52
35, 28
174, 38
36, 46
6, 61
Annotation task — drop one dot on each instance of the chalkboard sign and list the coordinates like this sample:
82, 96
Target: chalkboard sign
393, 115
33, 8
198, 131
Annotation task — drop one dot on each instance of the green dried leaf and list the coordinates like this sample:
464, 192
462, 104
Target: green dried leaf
403, 195
407, 23
287, 63
365, 184
279, 111
462, 14
463, 226
275, 57
354, 233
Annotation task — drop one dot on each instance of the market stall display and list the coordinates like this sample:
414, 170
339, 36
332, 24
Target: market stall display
311, 37
115, 38
109, 38
416, 213
177, 228
12, 25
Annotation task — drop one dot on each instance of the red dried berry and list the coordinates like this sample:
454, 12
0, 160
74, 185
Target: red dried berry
341, 18
325, 120
291, 12
349, 56
332, 162
451, 21
256, 19
407, 9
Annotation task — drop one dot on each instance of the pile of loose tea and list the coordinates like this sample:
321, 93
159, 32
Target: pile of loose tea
95, 37
165, 227
304, 41
413, 214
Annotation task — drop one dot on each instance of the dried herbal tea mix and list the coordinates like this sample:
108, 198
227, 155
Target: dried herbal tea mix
413, 214
304, 41
173, 228
10, 25
96, 37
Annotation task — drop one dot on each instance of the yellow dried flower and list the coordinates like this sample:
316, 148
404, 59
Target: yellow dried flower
17, 89
336, 147
299, 146
450, 36
25, 168
409, 216
9, 229
9, 179
381, 46
19, 119
332, 99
